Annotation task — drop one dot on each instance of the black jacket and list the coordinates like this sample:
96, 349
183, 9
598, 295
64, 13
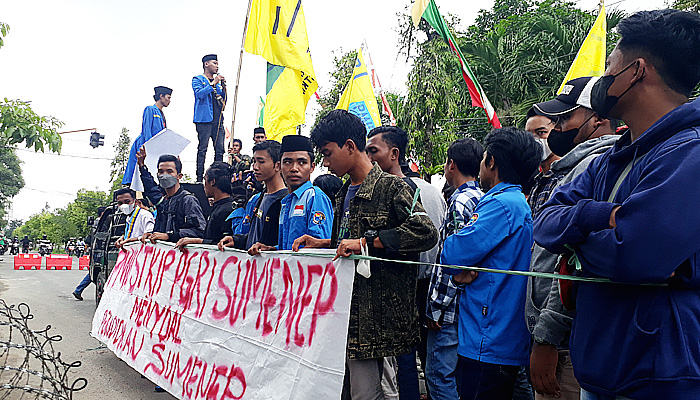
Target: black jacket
217, 225
270, 230
179, 215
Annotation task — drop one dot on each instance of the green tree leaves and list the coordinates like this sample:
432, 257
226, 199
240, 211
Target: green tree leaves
20, 124
4, 28
121, 156
67, 222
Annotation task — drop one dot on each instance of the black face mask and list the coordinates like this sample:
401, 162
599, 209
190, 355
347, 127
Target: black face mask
601, 102
562, 142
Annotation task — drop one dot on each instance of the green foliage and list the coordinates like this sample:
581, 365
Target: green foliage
20, 124
121, 156
4, 28
520, 51
10, 174
65, 222
11, 181
342, 71
687, 5
11, 226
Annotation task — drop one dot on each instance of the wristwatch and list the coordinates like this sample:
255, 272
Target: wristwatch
370, 235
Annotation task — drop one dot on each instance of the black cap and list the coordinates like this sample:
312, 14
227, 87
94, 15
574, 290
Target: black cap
575, 93
259, 129
162, 90
296, 143
209, 57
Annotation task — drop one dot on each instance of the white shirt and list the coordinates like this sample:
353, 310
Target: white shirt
142, 221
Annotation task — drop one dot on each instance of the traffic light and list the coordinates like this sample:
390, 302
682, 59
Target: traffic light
96, 139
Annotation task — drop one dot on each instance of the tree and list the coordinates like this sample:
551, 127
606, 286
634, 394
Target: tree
64, 223
522, 50
10, 174
85, 205
519, 51
344, 65
19, 123
687, 5
436, 108
10, 179
4, 28
11, 226
121, 156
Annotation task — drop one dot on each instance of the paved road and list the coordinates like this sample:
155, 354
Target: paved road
48, 294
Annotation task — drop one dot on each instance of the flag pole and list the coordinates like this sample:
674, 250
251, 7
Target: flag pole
240, 63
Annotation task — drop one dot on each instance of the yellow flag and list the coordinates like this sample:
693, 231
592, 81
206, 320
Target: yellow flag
590, 60
277, 32
358, 97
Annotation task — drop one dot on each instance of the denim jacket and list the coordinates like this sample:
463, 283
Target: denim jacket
383, 312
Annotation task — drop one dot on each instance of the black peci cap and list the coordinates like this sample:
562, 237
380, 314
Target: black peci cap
162, 90
296, 143
209, 57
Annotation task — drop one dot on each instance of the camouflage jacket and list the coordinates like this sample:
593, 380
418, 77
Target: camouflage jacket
243, 165
383, 312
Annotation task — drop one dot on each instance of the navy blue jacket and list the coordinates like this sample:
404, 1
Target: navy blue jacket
636, 341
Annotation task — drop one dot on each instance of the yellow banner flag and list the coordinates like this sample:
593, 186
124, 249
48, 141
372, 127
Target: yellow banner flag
358, 97
277, 32
590, 60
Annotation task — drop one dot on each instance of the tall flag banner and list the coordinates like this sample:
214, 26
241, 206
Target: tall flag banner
590, 59
377, 85
277, 32
261, 112
427, 10
358, 96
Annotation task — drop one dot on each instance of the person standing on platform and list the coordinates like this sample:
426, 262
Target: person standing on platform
153, 121
209, 103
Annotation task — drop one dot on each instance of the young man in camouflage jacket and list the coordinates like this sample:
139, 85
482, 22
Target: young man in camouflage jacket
377, 210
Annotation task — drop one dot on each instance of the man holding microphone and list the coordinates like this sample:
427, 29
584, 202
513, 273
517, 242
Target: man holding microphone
209, 103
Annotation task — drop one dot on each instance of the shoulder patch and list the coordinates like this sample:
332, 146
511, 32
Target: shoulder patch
473, 219
318, 217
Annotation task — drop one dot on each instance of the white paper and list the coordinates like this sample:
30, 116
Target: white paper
164, 142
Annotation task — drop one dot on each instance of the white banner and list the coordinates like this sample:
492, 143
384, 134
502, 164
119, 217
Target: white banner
205, 324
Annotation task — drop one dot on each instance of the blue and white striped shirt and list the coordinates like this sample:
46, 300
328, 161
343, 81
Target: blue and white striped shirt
442, 294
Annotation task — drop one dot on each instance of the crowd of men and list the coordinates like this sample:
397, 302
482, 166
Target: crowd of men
573, 194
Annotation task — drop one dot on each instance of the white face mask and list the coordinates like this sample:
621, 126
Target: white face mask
127, 208
546, 152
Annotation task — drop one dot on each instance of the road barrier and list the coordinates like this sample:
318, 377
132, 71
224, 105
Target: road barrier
27, 261
59, 261
84, 262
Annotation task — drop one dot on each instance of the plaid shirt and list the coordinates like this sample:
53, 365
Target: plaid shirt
443, 293
545, 183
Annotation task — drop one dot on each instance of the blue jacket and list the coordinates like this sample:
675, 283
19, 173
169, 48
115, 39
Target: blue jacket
492, 325
151, 123
236, 217
203, 107
636, 341
307, 210
243, 225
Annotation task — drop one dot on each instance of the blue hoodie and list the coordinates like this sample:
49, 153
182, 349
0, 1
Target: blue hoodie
641, 342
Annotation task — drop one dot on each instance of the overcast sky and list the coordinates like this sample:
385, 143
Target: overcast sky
94, 63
